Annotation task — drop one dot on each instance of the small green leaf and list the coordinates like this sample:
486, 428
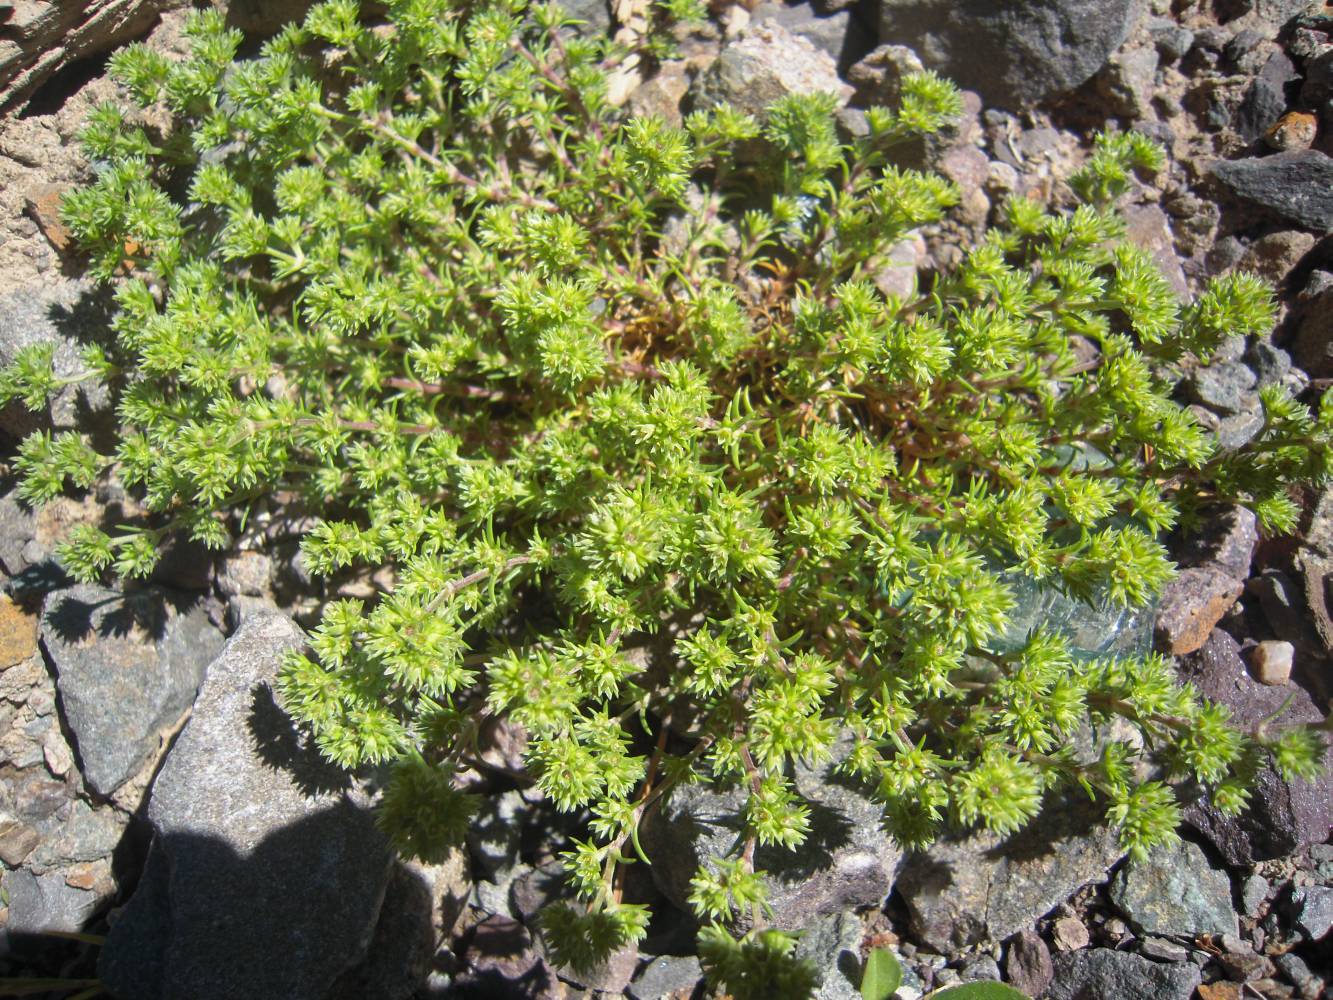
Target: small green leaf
883, 975
977, 991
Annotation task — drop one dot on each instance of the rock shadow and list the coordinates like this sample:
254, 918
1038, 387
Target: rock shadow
283, 747
307, 915
149, 610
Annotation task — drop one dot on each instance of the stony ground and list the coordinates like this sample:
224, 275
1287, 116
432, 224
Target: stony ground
223, 860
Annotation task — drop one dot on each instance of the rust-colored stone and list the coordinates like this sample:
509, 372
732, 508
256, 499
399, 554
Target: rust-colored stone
18, 633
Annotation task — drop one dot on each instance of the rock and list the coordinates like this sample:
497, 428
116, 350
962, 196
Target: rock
898, 276
422, 904
1295, 185
1283, 816
1027, 964
1224, 388
1274, 255
1263, 104
42, 37
493, 836
1253, 894
534, 889
612, 976
966, 891
1311, 909
1163, 950
1242, 963
1269, 363
1070, 934
1175, 893
1313, 343
502, 962
267, 873
245, 574
1270, 662
1265, 101
84, 834
1275, 14
1104, 973
878, 76
39, 904
1171, 39
595, 15
667, 976
1214, 576
1148, 227
1129, 83
847, 860
766, 63
18, 633
262, 17
1295, 969
1192, 604
1015, 54
1236, 432
127, 667
832, 944
969, 169
979, 968
63, 314
834, 34
17, 839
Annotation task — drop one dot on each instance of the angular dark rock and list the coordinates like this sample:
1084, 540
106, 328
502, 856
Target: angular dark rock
1311, 909
1216, 566
966, 891
666, 975
1296, 185
1283, 816
1015, 54
1176, 893
1101, 974
127, 666
267, 873
847, 859
1027, 963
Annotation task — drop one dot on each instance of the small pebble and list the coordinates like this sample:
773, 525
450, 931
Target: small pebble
1163, 950
1070, 934
1270, 662
1253, 894
1294, 130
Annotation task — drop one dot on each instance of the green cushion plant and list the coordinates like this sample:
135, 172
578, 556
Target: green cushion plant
583, 380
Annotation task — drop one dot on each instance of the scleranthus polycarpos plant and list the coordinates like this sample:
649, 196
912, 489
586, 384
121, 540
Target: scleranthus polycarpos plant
588, 383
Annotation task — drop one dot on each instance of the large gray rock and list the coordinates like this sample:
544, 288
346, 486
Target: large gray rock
846, 861
964, 891
64, 314
1014, 54
1175, 892
1104, 974
127, 666
266, 875
1283, 816
1296, 185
